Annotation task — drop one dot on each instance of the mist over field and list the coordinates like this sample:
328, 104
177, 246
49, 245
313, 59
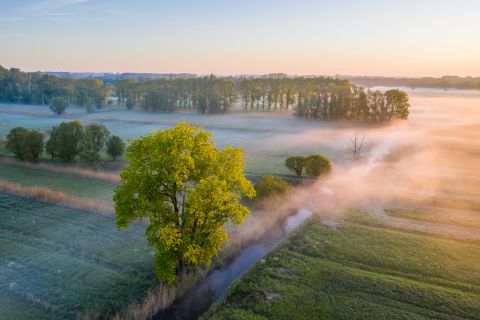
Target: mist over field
431, 161
428, 164
233, 160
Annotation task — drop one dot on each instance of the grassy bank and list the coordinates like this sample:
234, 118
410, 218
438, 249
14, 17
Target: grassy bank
359, 272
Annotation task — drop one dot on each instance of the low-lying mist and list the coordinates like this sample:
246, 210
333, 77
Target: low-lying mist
431, 161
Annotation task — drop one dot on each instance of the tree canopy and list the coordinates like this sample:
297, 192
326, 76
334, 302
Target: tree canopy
58, 105
17, 86
94, 140
26, 145
115, 146
317, 165
188, 189
66, 141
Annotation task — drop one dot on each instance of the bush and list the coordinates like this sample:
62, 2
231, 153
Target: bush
317, 165
269, 186
26, 145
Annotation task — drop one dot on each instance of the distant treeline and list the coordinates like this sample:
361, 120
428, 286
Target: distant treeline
446, 82
323, 98
40, 88
206, 95
312, 97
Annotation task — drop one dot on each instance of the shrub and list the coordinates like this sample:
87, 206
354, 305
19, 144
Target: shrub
269, 186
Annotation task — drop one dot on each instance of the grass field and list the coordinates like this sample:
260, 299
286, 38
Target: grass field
266, 139
468, 219
70, 184
57, 262
359, 272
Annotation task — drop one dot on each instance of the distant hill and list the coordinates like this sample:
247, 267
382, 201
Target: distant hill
118, 76
445, 82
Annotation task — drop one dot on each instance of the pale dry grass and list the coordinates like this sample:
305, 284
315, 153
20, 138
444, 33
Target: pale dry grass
76, 171
156, 300
55, 197
159, 298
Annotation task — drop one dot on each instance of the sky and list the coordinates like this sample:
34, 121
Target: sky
298, 37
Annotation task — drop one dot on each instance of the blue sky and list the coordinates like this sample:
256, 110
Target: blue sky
422, 37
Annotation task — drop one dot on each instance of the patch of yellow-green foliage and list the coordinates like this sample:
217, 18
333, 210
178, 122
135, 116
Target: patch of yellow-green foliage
188, 189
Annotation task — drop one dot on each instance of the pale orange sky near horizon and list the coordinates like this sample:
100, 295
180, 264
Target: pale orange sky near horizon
432, 38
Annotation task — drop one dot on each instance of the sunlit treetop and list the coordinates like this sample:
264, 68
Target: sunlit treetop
188, 189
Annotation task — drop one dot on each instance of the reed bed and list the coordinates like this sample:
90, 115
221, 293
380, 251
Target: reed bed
56, 197
76, 171
160, 298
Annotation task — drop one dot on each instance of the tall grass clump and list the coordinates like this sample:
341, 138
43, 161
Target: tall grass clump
55, 197
76, 171
157, 299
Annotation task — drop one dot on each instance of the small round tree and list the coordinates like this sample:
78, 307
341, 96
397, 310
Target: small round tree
269, 186
296, 164
115, 147
188, 190
58, 105
317, 165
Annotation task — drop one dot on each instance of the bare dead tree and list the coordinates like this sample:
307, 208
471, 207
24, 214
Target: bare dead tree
357, 144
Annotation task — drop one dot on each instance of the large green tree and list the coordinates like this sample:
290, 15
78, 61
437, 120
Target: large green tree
188, 190
66, 141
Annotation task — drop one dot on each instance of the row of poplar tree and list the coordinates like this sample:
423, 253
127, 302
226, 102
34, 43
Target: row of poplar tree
312, 98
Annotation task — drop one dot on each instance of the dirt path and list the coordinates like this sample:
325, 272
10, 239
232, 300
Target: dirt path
379, 213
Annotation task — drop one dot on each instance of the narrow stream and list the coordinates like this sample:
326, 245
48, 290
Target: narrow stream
198, 299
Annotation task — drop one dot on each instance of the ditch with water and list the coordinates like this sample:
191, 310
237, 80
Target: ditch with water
198, 299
